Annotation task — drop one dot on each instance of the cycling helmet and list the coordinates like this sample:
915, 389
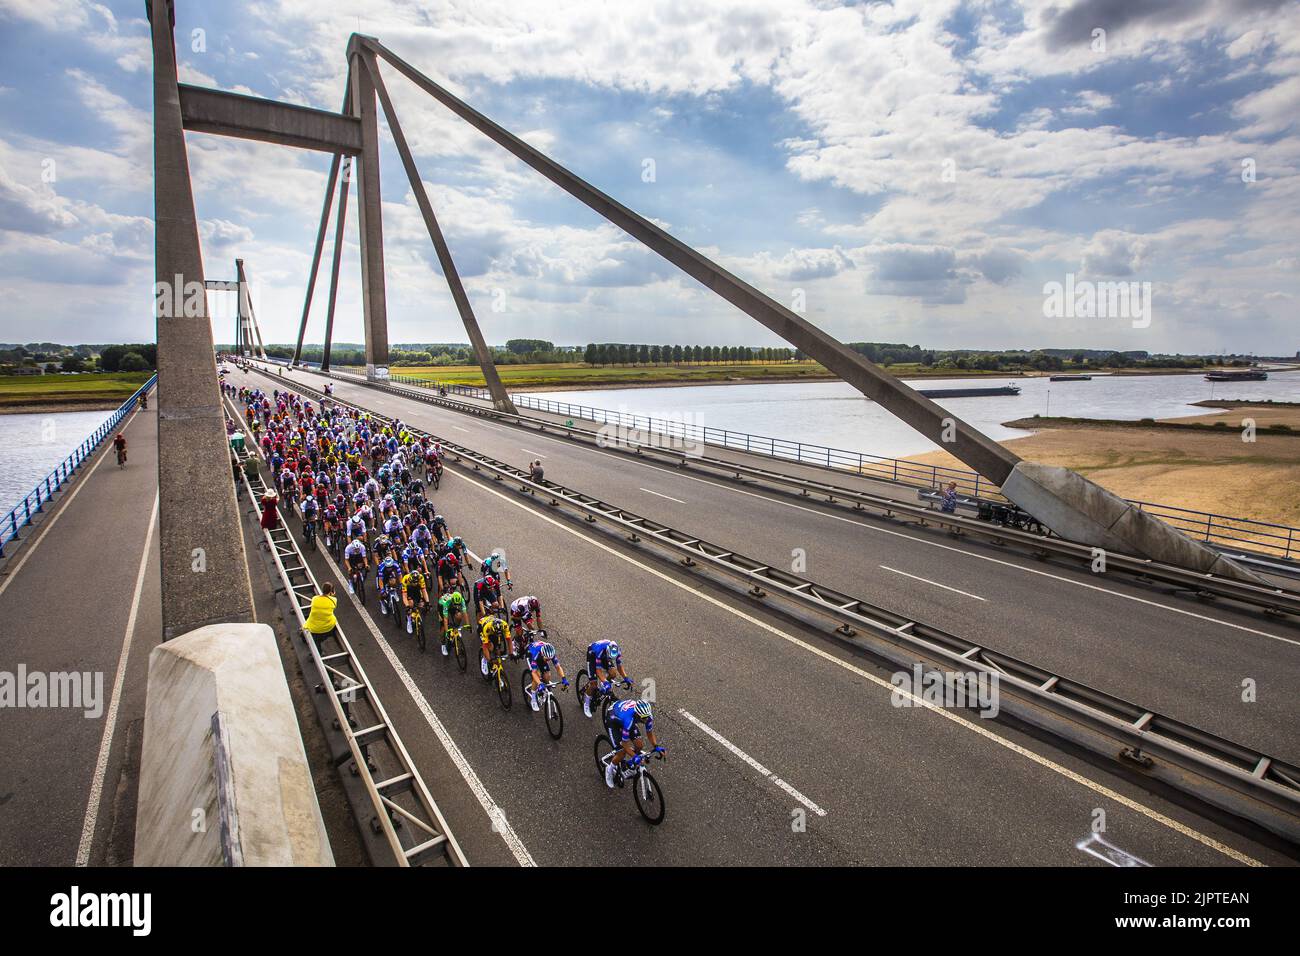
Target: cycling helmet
490, 581
548, 651
533, 604
643, 709
613, 651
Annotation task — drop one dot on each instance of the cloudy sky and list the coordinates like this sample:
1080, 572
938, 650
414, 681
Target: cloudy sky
916, 170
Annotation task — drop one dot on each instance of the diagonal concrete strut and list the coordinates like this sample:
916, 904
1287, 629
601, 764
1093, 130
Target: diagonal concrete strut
500, 399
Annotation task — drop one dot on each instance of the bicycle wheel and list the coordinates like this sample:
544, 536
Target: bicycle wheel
649, 798
554, 717
419, 630
602, 749
580, 687
462, 659
361, 589
503, 687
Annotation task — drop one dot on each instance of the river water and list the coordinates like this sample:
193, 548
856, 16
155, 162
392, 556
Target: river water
836, 415
31, 445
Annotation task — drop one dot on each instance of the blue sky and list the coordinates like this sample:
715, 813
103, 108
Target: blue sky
914, 171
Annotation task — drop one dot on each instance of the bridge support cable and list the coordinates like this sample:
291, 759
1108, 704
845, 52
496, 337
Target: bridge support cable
1221, 772
404, 811
498, 392
204, 568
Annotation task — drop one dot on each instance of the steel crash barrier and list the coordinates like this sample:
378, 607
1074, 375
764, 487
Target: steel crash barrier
1276, 600
412, 826
33, 503
1218, 771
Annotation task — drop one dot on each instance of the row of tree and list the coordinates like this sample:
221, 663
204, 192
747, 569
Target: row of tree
610, 353
137, 357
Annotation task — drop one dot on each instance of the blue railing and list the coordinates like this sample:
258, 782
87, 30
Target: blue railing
21, 515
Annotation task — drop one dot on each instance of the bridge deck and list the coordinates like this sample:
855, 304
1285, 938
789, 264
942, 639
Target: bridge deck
749, 697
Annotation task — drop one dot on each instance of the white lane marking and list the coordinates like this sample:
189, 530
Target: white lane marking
627, 459
531, 452
763, 771
669, 497
493, 809
916, 577
459, 429
1109, 852
45, 528
956, 718
110, 720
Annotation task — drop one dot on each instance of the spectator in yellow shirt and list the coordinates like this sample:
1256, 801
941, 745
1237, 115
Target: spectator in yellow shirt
321, 621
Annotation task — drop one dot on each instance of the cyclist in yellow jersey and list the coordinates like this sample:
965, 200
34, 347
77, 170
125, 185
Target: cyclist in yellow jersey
414, 589
492, 632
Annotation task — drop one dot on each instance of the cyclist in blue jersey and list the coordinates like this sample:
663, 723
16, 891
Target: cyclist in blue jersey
604, 659
541, 658
387, 574
624, 718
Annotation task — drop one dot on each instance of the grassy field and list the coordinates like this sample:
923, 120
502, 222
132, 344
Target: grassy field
581, 375
106, 390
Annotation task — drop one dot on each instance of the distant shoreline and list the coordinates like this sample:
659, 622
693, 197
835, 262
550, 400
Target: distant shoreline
61, 405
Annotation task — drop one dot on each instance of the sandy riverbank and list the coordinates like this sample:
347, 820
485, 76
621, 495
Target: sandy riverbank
1204, 471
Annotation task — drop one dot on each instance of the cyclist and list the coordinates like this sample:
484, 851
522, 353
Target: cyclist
309, 508
495, 565
525, 612
492, 633
603, 660
448, 570
622, 723
413, 589
355, 527
387, 574
451, 611
541, 658
119, 443
413, 557
422, 537
357, 557
487, 596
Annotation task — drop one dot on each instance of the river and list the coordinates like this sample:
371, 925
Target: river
33, 444
836, 415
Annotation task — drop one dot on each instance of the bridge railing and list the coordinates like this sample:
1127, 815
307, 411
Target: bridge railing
21, 515
1224, 531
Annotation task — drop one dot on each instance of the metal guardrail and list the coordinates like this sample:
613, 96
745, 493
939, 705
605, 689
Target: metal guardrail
22, 514
1234, 777
428, 836
1270, 599
1276, 540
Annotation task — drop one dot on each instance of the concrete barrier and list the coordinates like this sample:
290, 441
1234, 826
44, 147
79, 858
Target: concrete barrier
1079, 510
224, 779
